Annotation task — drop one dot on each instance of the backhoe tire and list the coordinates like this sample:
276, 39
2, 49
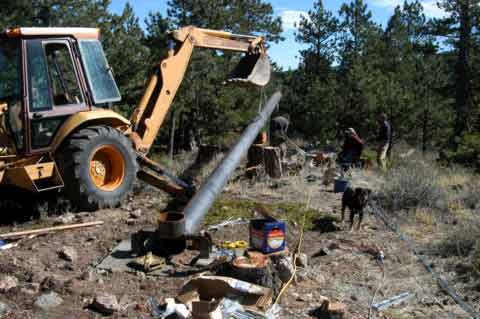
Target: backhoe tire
99, 167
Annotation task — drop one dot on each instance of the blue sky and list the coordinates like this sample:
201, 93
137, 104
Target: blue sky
286, 52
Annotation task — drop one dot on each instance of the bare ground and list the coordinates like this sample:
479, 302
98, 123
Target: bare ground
341, 266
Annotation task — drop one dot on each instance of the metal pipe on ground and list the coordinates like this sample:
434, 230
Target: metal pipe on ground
203, 200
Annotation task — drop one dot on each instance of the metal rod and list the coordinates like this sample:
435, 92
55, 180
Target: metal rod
199, 205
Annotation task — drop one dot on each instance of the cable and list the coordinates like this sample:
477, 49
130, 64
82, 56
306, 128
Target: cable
441, 282
381, 264
298, 250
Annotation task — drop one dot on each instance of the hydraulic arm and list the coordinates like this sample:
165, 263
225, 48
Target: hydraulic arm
149, 115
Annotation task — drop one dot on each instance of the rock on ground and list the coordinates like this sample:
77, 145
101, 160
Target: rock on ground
285, 268
7, 283
302, 260
4, 309
137, 213
31, 288
105, 304
68, 253
48, 301
67, 218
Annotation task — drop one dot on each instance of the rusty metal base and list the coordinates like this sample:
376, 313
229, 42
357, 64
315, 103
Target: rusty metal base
149, 241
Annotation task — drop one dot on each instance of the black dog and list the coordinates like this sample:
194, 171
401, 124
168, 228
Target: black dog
355, 200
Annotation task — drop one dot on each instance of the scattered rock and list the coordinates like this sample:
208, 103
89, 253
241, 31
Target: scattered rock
131, 221
330, 310
302, 260
333, 246
4, 309
52, 283
285, 268
302, 275
68, 253
31, 288
7, 283
304, 297
65, 219
141, 275
48, 301
137, 213
105, 304
322, 252
89, 275
463, 268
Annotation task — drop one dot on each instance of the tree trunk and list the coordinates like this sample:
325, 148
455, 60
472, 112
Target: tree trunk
463, 95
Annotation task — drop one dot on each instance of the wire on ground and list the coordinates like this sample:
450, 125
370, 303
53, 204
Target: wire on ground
441, 282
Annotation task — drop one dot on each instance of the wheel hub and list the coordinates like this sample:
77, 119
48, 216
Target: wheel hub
107, 168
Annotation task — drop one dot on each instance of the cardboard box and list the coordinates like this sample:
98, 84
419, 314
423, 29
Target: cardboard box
212, 289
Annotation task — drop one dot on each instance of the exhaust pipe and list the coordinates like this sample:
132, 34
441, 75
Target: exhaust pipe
203, 200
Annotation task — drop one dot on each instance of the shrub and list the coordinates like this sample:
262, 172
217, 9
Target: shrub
467, 152
412, 185
469, 196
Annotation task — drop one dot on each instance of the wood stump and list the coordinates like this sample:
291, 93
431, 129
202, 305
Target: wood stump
267, 156
206, 154
255, 268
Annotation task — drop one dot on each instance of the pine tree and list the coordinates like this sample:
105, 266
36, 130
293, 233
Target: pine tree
128, 56
460, 29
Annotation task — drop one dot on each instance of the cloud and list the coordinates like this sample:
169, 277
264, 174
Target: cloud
291, 17
429, 6
432, 10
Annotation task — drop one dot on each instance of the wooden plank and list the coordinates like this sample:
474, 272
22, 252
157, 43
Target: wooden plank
49, 229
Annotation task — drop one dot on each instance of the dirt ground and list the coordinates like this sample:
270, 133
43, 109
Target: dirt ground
341, 264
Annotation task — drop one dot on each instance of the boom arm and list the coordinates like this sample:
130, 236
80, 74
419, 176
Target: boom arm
149, 115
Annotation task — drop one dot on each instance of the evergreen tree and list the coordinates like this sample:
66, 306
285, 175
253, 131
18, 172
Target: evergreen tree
128, 56
460, 27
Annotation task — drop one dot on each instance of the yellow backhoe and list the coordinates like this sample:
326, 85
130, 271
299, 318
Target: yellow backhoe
57, 129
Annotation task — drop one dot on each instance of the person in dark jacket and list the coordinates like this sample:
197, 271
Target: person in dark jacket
384, 140
279, 126
352, 149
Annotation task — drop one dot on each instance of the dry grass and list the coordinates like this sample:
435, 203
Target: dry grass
225, 208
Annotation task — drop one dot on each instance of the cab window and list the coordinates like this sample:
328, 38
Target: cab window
53, 86
10, 87
39, 90
99, 74
65, 88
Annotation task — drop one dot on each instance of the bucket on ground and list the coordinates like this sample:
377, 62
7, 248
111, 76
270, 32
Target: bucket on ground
340, 185
267, 236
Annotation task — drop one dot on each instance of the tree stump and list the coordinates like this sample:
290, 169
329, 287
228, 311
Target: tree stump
273, 162
256, 268
267, 156
206, 153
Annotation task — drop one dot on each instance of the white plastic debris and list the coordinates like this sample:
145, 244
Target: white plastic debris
228, 222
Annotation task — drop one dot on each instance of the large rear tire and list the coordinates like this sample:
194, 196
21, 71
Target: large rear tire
99, 167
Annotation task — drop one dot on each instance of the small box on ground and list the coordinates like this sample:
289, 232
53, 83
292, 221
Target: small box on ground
267, 235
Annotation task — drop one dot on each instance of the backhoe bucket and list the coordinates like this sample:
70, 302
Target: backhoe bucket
252, 68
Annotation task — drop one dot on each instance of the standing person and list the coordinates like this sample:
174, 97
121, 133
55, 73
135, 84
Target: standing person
280, 125
384, 140
278, 128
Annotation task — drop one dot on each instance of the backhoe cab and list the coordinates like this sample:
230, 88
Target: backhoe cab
56, 126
